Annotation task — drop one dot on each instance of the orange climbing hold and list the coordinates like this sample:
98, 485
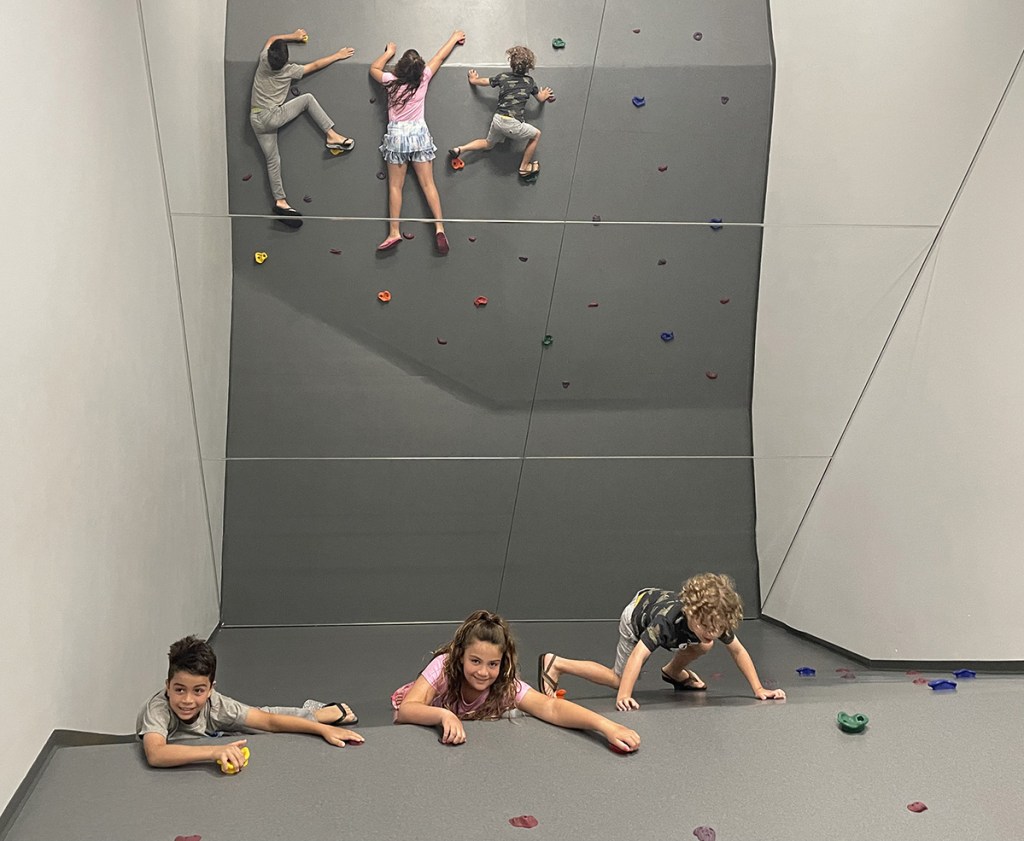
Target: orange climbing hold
384, 296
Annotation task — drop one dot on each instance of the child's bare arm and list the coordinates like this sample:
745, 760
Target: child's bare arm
438, 59
297, 35
257, 719
160, 754
377, 68
564, 713
327, 60
544, 94
476, 79
630, 675
743, 662
416, 709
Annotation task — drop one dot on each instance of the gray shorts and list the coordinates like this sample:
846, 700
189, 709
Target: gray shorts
509, 127
627, 639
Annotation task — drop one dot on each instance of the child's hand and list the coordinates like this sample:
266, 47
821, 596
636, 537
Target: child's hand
763, 694
299, 34
390, 48
453, 733
337, 736
626, 703
459, 36
622, 737
473, 76
545, 94
231, 752
345, 52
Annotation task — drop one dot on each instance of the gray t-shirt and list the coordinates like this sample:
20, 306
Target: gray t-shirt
219, 715
270, 87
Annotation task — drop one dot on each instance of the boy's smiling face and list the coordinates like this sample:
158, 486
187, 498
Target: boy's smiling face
187, 694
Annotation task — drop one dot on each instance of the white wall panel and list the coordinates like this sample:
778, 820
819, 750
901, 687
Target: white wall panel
879, 106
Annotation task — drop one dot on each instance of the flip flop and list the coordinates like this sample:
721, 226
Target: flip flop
442, 243
685, 685
388, 244
532, 170
291, 216
346, 145
544, 679
347, 715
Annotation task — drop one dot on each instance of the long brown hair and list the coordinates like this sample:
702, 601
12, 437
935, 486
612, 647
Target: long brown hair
481, 626
408, 75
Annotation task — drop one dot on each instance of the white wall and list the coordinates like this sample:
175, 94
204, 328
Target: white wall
879, 112
104, 536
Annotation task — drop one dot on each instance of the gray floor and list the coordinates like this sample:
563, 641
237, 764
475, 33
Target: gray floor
749, 769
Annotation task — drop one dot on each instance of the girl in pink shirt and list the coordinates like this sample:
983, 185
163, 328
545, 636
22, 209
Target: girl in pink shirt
408, 139
474, 677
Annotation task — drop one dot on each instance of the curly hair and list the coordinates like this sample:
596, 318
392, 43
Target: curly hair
192, 655
712, 600
408, 75
521, 60
481, 626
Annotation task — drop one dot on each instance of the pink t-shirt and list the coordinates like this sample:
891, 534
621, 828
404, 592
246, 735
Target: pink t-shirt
434, 675
412, 108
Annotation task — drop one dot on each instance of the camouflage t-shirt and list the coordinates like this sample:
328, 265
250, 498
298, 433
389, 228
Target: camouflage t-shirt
513, 94
659, 620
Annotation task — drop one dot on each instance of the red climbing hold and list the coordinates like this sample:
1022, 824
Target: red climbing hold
472, 239
441, 341
636, 31
841, 670
617, 749
912, 672
711, 375
247, 176
524, 821
335, 251
188, 838
704, 833
480, 301
920, 681
663, 168
559, 693
917, 806
723, 300
409, 236
593, 304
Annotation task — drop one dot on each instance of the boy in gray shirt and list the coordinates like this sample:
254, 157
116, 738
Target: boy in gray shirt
189, 707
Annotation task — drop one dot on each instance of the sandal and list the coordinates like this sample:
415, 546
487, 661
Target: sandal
346, 145
686, 685
547, 684
532, 169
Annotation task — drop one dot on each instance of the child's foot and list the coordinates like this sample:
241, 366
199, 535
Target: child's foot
442, 243
335, 713
686, 682
290, 215
390, 242
532, 168
547, 674
339, 143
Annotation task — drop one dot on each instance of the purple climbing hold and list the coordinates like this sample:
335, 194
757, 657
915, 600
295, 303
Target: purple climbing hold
639, 101
704, 833
636, 31
565, 383
381, 176
335, 251
663, 168
441, 341
472, 239
668, 336
307, 199
806, 671
725, 100
724, 300
716, 224
523, 259
662, 261
697, 36
593, 304
966, 674
595, 218
712, 375
247, 176
942, 684
409, 236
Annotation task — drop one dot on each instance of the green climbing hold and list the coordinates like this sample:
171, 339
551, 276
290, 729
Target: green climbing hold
852, 723
558, 43
547, 341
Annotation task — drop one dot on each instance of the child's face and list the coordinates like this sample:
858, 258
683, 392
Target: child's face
481, 663
187, 694
707, 630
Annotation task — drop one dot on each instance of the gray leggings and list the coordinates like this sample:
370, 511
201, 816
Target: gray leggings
267, 121
298, 712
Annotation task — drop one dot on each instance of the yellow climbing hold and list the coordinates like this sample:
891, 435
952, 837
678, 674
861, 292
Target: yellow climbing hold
305, 39
336, 152
228, 768
260, 256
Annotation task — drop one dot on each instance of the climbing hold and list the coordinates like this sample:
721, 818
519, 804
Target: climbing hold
480, 301
842, 669
373, 99
920, 681
305, 39
716, 675
441, 341
336, 152
295, 91
663, 168
667, 337
565, 384
725, 100
852, 723
307, 199
848, 676
723, 300
917, 806
457, 163
551, 98
966, 674
639, 101
662, 261
558, 43
911, 672
188, 838
260, 256
636, 31
704, 833
595, 218
228, 768
247, 176
523, 259
942, 684
618, 750
716, 224
409, 236
335, 251
593, 304
806, 671
380, 176
711, 375
384, 296
524, 821
547, 341
472, 239
559, 693
697, 36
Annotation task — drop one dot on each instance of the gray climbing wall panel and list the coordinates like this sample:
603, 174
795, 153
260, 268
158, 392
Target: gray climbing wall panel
434, 450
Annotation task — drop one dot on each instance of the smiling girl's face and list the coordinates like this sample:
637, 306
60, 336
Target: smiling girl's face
481, 663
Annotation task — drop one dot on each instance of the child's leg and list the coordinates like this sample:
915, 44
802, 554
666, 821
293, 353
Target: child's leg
396, 181
473, 146
529, 152
553, 667
676, 669
268, 143
425, 173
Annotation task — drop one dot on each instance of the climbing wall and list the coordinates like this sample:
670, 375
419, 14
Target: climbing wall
584, 432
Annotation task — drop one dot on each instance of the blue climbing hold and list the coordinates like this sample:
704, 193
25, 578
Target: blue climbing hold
942, 684
806, 671
965, 673
639, 101
667, 337
716, 224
